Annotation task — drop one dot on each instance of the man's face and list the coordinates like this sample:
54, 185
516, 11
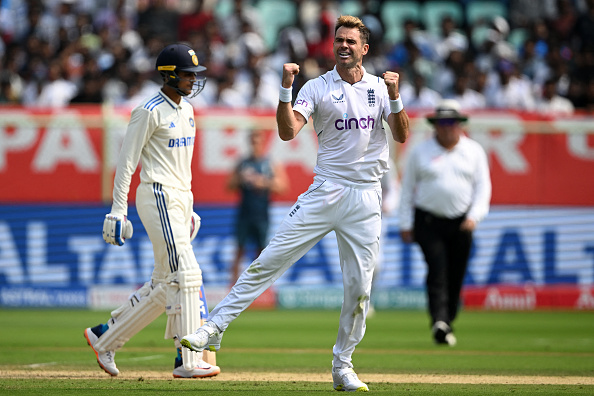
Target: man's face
448, 130
186, 81
348, 47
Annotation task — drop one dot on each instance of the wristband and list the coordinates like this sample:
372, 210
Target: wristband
286, 94
396, 106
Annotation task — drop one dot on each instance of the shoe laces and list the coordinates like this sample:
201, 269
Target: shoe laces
109, 355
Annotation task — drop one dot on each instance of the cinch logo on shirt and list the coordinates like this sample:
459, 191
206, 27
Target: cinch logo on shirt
182, 142
353, 123
301, 102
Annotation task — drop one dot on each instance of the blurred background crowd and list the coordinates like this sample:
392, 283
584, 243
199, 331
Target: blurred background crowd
510, 54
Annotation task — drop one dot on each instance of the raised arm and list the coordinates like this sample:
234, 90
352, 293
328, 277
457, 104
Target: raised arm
289, 122
398, 119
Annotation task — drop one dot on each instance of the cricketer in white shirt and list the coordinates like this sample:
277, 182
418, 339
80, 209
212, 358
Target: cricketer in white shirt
347, 106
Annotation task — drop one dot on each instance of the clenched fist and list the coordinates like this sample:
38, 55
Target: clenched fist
391, 80
290, 70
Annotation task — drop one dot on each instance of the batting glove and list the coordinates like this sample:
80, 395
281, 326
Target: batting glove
116, 229
194, 226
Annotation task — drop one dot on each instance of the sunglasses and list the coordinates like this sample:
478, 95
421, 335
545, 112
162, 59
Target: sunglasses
446, 121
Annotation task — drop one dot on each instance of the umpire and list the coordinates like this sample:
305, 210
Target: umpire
446, 190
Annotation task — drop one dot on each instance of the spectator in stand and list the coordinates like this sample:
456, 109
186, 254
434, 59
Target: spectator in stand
227, 96
248, 43
451, 39
468, 98
58, 91
523, 13
399, 56
513, 91
159, 19
321, 31
91, 91
583, 33
563, 23
532, 64
576, 93
7, 94
418, 64
232, 25
264, 92
445, 76
195, 20
418, 95
57, 29
551, 102
496, 47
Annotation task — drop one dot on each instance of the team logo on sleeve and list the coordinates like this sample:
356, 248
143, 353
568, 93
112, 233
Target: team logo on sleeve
371, 97
191, 122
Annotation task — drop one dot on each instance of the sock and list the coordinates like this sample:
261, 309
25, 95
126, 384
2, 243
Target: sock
100, 329
178, 359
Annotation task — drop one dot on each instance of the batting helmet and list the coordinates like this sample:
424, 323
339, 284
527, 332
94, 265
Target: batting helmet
180, 57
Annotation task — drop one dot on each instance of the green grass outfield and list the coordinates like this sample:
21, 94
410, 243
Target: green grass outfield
43, 352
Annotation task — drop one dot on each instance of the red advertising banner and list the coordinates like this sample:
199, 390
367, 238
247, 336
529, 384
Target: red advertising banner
69, 155
50, 155
528, 297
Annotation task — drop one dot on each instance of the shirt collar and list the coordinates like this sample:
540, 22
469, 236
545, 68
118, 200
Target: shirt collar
171, 102
336, 76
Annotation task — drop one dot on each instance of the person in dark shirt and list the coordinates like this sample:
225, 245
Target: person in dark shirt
256, 177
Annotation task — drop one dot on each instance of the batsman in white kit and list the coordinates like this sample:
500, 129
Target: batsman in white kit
161, 134
347, 106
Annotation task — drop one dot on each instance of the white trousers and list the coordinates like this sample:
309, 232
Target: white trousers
166, 214
354, 214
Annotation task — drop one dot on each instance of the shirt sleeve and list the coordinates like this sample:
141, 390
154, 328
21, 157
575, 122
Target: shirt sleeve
305, 102
479, 207
139, 130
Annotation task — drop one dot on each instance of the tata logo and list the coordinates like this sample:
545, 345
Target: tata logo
347, 123
339, 99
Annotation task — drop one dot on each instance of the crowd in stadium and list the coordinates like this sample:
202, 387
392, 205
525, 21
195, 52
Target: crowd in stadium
530, 55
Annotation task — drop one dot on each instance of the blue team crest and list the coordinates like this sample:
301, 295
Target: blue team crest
371, 97
191, 122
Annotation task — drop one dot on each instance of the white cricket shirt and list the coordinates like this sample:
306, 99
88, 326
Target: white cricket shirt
161, 134
446, 183
348, 121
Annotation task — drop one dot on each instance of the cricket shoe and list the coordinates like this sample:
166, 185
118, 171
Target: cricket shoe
207, 336
201, 370
346, 380
442, 333
106, 359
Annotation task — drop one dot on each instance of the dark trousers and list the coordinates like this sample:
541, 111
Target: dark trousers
446, 249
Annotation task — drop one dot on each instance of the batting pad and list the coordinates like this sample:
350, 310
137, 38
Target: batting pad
143, 307
184, 304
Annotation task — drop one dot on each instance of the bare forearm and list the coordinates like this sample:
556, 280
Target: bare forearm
285, 120
399, 125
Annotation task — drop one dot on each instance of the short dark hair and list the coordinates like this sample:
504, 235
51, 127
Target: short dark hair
349, 21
